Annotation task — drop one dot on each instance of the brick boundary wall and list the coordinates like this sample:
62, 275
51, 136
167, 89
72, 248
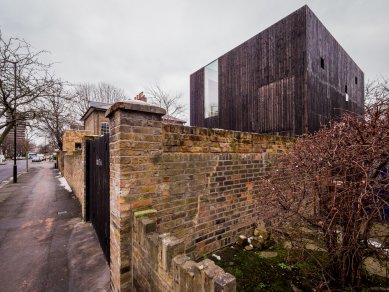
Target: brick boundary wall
204, 184
211, 184
73, 171
135, 135
160, 264
70, 137
72, 167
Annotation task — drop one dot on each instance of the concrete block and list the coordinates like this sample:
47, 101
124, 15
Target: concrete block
171, 246
152, 246
187, 272
225, 283
209, 276
178, 261
199, 275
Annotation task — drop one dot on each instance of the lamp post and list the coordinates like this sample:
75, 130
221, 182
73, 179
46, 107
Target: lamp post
15, 174
15, 167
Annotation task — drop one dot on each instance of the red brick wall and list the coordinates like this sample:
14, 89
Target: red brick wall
201, 185
210, 184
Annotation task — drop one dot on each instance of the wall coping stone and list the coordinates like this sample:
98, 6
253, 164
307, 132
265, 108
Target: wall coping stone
143, 213
134, 105
73, 153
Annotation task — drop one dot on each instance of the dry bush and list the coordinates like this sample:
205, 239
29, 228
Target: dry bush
336, 182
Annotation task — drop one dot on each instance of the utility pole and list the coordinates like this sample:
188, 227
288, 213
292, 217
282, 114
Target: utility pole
15, 165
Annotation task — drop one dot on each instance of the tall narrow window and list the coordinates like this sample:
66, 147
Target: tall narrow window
104, 129
322, 63
345, 88
356, 80
211, 94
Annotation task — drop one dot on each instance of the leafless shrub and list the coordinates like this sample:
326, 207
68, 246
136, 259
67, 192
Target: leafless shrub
336, 182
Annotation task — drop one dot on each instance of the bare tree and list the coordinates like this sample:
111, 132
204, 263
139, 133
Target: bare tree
336, 182
102, 92
56, 114
24, 82
171, 102
28, 141
377, 92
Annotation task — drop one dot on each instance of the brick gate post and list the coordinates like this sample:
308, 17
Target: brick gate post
135, 149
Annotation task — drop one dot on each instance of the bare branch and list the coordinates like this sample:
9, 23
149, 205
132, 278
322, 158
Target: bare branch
25, 82
171, 102
102, 92
337, 183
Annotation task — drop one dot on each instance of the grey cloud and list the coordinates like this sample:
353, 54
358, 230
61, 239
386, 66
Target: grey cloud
134, 44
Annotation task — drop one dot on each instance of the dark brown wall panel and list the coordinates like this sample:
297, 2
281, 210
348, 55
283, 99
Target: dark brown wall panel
326, 86
273, 82
197, 98
260, 81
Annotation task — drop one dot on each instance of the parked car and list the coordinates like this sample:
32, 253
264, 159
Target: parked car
38, 158
31, 155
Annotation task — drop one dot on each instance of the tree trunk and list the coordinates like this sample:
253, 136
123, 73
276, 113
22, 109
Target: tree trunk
5, 132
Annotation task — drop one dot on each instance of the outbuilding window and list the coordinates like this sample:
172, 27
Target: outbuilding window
104, 129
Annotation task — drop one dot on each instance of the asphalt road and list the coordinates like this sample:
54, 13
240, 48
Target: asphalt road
6, 170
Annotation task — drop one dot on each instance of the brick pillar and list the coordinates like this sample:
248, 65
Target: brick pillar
135, 149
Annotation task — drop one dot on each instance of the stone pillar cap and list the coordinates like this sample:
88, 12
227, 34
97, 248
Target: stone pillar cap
135, 105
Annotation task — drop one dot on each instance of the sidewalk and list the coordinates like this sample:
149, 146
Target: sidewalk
44, 246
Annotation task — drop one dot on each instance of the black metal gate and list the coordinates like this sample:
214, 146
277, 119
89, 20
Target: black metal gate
97, 189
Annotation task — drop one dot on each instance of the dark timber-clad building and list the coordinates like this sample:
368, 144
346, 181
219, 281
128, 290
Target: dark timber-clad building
289, 79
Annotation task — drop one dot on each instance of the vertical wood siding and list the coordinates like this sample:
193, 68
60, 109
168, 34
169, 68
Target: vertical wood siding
326, 87
197, 98
273, 83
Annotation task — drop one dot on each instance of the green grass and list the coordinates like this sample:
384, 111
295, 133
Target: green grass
255, 273
300, 268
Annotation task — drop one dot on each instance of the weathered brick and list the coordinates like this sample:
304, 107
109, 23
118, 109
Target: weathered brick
202, 182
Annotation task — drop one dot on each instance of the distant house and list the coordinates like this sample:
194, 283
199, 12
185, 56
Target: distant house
95, 121
289, 79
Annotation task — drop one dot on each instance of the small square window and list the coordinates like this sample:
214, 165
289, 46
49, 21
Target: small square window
77, 146
322, 63
356, 80
104, 129
345, 88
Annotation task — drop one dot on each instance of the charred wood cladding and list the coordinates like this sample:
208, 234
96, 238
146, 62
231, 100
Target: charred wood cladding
288, 80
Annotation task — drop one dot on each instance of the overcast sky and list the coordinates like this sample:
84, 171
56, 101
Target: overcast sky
135, 44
